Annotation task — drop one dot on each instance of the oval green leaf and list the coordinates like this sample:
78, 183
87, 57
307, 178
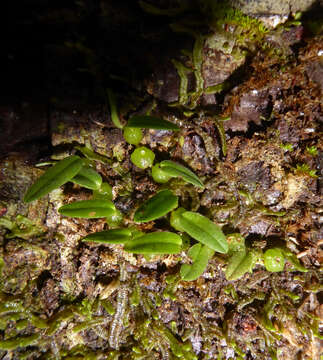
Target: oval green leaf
274, 260
204, 230
115, 236
239, 263
162, 242
104, 193
88, 178
54, 177
151, 122
174, 169
200, 255
89, 209
156, 207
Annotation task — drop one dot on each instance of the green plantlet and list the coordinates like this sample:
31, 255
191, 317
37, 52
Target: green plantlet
287, 147
132, 135
142, 157
88, 178
151, 122
200, 255
89, 209
115, 236
59, 174
239, 263
305, 169
159, 175
312, 150
174, 169
203, 230
103, 193
156, 207
162, 242
113, 109
274, 260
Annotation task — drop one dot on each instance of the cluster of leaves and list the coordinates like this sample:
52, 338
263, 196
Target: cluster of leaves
208, 236
79, 171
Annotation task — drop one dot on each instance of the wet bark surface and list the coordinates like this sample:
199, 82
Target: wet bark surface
248, 101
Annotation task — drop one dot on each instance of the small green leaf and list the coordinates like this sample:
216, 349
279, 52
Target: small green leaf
142, 157
88, 178
115, 236
274, 260
156, 207
104, 193
239, 263
132, 135
151, 122
159, 175
91, 155
54, 177
174, 169
204, 230
89, 209
162, 242
113, 109
200, 255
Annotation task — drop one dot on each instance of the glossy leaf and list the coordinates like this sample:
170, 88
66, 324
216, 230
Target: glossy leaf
115, 236
104, 193
88, 178
156, 207
151, 122
89, 209
162, 242
200, 255
142, 157
274, 260
240, 263
174, 169
54, 177
204, 230
133, 135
